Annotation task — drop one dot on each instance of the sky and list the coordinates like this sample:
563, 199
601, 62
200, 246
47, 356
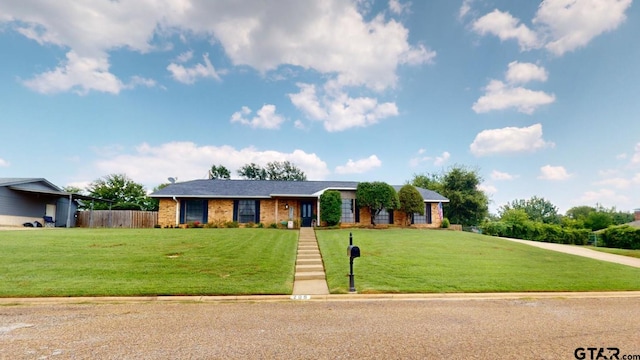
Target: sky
541, 98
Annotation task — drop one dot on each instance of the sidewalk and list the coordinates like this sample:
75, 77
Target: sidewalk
581, 251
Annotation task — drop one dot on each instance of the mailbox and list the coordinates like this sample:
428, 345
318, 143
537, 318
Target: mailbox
353, 251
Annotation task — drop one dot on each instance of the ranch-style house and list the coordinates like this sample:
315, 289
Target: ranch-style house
268, 202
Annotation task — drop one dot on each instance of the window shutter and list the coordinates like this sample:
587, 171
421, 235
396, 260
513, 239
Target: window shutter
235, 210
356, 211
390, 216
183, 208
257, 220
205, 211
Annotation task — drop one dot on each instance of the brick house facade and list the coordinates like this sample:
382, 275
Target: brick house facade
275, 202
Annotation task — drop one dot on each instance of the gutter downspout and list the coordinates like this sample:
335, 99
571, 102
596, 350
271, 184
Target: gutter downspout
177, 210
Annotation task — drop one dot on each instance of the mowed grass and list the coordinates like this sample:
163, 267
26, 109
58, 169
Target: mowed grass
130, 262
433, 261
624, 252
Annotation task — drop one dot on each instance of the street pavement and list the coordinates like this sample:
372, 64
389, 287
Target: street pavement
507, 326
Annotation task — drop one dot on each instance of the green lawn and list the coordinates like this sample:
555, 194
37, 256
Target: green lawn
625, 252
126, 262
416, 261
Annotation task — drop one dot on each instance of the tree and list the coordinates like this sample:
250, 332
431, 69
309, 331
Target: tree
537, 209
376, 196
252, 172
284, 170
219, 172
467, 205
410, 202
124, 193
331, 207
275, 170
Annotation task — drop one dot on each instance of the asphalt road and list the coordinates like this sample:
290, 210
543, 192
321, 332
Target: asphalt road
453, 328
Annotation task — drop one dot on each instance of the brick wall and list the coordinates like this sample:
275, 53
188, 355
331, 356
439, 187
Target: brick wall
167, 213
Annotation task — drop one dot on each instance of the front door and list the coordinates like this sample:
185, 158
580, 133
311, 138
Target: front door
306, 210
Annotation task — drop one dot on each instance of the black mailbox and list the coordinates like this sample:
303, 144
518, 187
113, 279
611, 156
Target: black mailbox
353, 251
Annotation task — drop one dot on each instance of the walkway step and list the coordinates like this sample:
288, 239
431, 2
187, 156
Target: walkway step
309, 268
315, 261
310, 275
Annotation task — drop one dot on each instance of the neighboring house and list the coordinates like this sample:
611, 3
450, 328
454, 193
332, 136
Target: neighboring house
26, 200
269, 201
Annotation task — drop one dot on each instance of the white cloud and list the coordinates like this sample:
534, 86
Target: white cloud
184, 57
505, 26
522, 73
571, 24
465, 8
151, 165
442, 159
77, 73
4, 163
487, 188
500, 96
359, 166
338, 111
331, 37
266, 117
549, 172
421, 157
604, 197
509, 140
398, 8
560, 25
192, 74
499, 175
616, 182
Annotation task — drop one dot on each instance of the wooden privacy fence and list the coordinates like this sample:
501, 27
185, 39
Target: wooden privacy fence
117, 219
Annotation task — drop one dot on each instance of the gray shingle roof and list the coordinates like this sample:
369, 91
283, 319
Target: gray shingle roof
265, 189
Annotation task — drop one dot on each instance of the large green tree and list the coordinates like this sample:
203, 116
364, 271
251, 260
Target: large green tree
376, 196
124, 193
410, 202
219, 172
468, 205
537, 209
275, 170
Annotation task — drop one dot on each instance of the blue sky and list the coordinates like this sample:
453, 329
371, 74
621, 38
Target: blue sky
542, 98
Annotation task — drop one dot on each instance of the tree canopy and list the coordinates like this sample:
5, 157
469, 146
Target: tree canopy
219, 172
468, 205
275, 170
124, 193
376, 196
537, 209
410, 202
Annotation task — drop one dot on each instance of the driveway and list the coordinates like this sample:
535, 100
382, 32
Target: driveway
582, 251
455, 328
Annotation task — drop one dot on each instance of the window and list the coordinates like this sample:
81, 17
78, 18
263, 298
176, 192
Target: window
246, 211
423, 219
193, 210
347, 211
384, 217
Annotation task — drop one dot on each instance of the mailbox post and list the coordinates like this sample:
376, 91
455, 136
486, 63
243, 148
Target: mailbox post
352, 252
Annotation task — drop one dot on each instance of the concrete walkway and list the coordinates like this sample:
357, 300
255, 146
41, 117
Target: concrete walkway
582, 251
310, 278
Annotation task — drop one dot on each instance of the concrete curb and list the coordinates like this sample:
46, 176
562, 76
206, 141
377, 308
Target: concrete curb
327, 298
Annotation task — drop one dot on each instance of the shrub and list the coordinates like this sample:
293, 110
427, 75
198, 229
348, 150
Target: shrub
622, 237
231, 224
445, 223
273, 226
331, 207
